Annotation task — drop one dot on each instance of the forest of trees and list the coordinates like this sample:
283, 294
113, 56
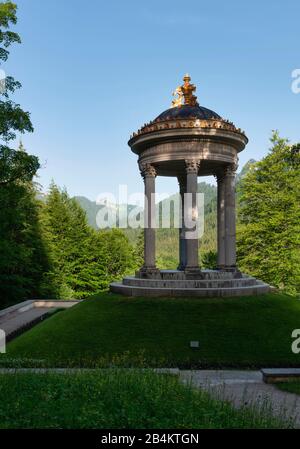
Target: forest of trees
48, 248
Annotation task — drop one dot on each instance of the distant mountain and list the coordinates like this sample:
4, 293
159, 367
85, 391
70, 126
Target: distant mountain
210, 197
91, 208
245, 169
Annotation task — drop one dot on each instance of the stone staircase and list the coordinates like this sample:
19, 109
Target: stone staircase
209, 283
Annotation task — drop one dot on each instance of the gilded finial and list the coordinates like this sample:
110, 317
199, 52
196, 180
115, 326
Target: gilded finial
184, 94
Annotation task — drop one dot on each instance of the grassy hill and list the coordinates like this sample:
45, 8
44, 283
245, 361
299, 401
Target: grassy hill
111, 329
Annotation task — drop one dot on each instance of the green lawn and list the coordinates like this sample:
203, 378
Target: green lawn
116, 399
291, 387
107, 328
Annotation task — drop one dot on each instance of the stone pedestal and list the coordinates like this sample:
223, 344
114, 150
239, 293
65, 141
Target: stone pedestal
209, 283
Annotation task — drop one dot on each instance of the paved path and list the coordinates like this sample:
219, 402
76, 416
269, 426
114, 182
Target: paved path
16, 320
246, 388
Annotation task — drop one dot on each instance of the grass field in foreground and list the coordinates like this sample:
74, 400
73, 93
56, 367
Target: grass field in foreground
108, 328
116, 399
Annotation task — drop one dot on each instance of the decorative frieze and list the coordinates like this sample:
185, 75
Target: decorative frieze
159, 125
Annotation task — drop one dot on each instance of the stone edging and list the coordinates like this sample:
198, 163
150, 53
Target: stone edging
30, 303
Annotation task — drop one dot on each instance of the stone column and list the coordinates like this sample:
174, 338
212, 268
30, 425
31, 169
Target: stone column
149, 173
230, 231
182, 240
192, 262
221, 221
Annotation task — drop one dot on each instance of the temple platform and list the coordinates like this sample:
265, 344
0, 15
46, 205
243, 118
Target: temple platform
208, 283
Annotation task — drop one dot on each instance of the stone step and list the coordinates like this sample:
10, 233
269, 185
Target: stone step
130, 290
183, 283
274, 375
203, 275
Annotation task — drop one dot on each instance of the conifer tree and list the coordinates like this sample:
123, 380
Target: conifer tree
23, 258
83, 260
269, 229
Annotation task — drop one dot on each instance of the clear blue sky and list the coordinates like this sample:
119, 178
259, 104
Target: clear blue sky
94, 71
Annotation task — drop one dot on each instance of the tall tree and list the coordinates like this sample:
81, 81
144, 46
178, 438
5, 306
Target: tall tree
14, 164
269, 217
65, 233
22, 256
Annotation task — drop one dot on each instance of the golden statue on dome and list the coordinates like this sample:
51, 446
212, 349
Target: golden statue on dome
177, 100
184, 94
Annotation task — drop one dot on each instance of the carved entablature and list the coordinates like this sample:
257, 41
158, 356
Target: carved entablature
187, 123
147, 170
192, 165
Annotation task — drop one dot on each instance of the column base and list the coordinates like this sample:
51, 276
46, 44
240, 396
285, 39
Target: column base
181, 267
220, 267
229, 268
233, 269
192, 272
148, 272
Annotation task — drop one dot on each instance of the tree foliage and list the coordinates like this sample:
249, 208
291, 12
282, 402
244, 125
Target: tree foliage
23, 258
83, 260
269, 217
14, 164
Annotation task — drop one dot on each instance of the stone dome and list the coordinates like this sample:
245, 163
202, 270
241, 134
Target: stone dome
186, 111
188, 121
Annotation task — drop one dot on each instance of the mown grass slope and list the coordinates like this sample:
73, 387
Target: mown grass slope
111, 329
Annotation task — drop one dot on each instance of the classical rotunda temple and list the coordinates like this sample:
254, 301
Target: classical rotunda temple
187, 141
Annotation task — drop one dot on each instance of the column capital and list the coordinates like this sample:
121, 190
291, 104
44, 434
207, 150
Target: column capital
147, 170
192, 165
230, 169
